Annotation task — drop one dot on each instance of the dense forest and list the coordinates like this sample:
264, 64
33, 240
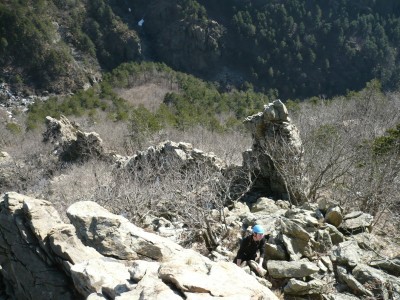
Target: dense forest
293, 49
312, 47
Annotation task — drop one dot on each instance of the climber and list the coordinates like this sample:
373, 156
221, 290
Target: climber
249, 247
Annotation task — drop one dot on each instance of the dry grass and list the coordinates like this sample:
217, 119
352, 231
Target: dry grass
150, 95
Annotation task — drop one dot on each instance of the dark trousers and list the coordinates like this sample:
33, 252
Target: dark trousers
245, 258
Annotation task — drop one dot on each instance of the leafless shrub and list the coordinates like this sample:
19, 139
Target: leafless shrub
374, 186
11, 130
31, 165
195, 196
93, 181
5, 136
338, 160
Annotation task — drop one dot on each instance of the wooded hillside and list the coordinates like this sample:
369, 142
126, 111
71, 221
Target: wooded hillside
293, 49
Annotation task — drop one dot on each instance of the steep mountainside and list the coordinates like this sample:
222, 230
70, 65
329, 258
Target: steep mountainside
294, 48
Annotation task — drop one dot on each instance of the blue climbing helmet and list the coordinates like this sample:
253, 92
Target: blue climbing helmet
258, 229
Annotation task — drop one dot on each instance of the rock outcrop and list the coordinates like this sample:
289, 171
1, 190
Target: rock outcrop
72, 144
177, 156
276, 143
103, 256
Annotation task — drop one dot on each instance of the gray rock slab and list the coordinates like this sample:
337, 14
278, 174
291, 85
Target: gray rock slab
347, 253
101, 275
113, 235
298, 287
289, 269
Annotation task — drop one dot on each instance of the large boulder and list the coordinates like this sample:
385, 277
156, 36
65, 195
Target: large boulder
101, 275
347, 253
340, 296
223, 279
67, 248
334, 216
294, 230
113, 235
275, 252
265, 205
355, 286
190, 272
